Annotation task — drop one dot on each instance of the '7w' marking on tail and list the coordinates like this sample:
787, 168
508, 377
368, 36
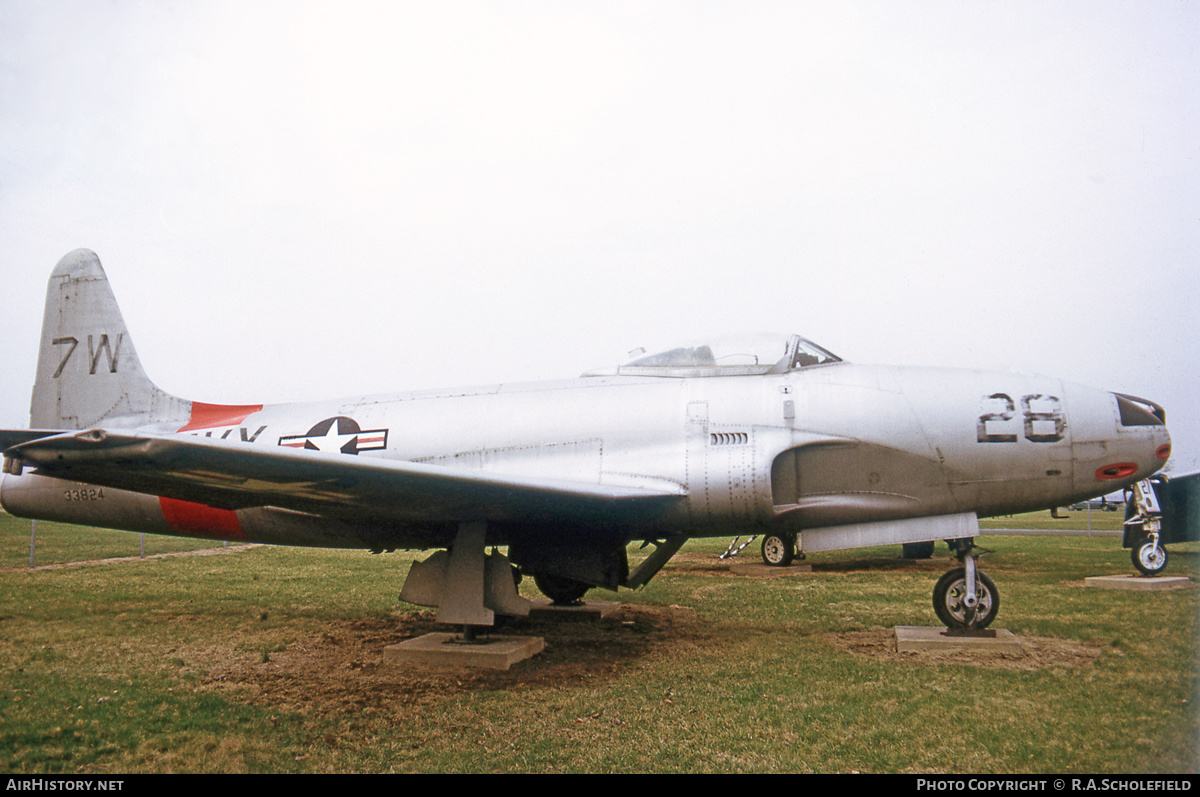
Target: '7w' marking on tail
111, 353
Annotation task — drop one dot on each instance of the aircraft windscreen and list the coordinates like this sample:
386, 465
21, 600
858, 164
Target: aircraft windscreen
809, 353
770, 352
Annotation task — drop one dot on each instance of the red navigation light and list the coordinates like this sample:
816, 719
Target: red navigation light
1118, 470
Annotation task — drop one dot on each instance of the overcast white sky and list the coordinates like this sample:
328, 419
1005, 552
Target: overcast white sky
299, 200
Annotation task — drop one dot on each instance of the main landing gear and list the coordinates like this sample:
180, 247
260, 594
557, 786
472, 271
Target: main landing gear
562, 591
965, 599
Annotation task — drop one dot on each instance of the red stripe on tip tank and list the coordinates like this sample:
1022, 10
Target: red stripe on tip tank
208, 416
199, 520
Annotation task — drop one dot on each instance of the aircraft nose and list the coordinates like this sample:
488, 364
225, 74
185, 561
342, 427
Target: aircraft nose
1144, 422
1117, 439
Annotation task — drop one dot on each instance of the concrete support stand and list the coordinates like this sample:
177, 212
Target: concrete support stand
446, 649
916, 639
544, 609
1138, 583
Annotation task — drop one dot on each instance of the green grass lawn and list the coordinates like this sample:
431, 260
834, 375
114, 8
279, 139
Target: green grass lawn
1081, 520
58, 543
269, 660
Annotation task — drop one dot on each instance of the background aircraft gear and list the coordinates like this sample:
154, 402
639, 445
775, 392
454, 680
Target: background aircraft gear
918, 550
779, 549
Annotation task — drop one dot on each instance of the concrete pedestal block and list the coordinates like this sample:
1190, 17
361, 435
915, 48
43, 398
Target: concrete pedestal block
913, 639
447, 649
1138, 583
544, 609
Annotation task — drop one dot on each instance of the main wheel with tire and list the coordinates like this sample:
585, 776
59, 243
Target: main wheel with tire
917, 550
562, 591
950, 605
778, 550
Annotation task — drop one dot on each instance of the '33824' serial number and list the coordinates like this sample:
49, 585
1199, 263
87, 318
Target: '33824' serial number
87, 494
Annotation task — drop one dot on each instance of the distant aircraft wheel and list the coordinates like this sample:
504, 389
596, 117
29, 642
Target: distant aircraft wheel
563, 591
918, 550
778, 550
950, 605
1149, 557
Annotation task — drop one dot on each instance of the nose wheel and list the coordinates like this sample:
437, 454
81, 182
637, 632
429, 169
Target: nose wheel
965, 599
1149, 557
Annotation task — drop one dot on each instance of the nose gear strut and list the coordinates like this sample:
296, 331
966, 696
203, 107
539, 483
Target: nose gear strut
1149, 557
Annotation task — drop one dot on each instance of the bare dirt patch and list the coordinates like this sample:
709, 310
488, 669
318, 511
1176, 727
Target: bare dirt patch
342, 668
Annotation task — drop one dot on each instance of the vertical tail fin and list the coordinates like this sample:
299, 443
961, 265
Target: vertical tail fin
88, 372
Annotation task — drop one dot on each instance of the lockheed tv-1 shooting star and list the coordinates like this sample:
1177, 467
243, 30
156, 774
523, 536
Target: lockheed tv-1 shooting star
769, 435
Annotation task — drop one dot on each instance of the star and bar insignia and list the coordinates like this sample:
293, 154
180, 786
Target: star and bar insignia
338, 434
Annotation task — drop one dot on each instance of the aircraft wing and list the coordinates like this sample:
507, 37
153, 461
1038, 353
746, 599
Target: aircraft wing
1173, 475
234, 475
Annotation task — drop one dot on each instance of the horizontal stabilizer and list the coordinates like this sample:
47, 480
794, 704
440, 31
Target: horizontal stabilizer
14, 437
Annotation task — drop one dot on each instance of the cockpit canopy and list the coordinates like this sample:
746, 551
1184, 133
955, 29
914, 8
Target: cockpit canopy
731, 355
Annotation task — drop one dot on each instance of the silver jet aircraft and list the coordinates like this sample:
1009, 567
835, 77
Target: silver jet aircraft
767, 435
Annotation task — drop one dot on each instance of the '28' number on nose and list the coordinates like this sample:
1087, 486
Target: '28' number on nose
1043, 419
